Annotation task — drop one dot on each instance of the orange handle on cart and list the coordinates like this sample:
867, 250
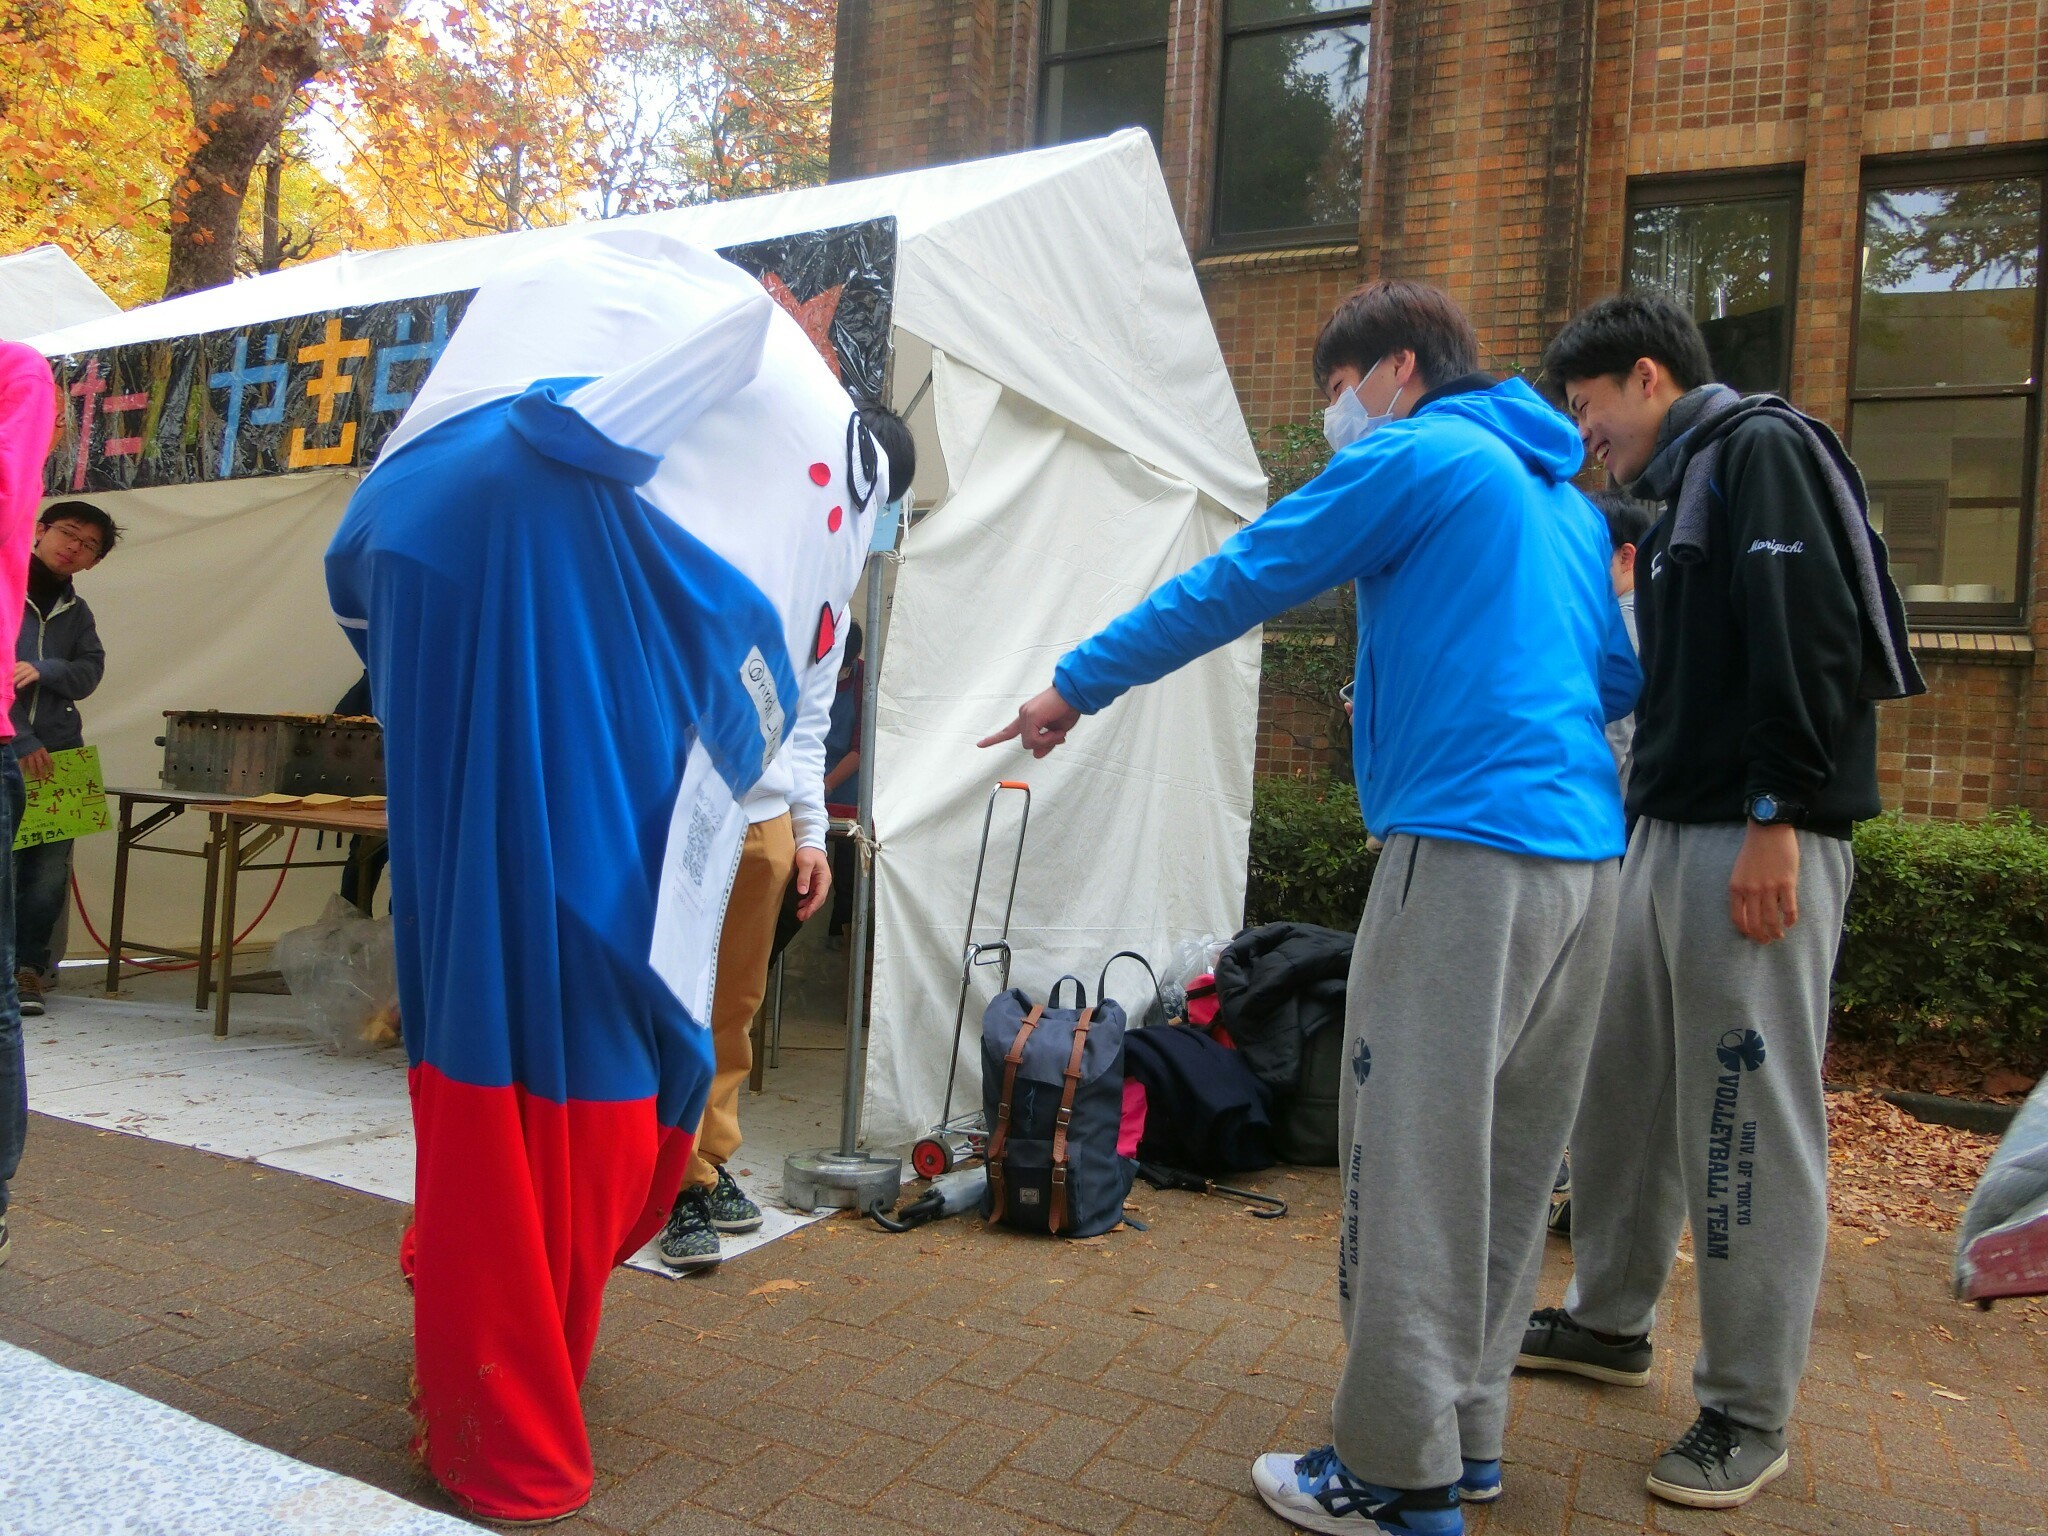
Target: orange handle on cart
1011, 784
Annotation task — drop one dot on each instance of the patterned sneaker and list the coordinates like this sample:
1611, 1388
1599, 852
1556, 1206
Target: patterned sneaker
1480, 1482
1555, 1343
731, 1210
28, 986
689, 1241
1559, 1222
1316, 1493
1719, 1464
4, 1239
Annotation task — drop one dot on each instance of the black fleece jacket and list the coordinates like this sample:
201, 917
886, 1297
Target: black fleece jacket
1751, 657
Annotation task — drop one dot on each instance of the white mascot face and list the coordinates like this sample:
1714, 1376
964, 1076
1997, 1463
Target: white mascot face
691, 361
761, 457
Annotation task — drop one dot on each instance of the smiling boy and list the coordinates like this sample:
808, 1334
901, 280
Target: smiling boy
58, 661
1769, 629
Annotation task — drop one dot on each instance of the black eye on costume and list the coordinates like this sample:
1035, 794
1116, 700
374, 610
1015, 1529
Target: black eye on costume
863, 461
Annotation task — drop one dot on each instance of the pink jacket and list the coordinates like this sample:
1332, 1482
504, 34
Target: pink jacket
28, 417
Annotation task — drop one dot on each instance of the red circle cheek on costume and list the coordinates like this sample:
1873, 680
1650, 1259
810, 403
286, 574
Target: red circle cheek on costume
835, 518
820, 475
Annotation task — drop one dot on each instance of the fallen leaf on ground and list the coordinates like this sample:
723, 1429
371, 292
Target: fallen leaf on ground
774, 1287
1886, 1168
1144, 1312
1954, 1397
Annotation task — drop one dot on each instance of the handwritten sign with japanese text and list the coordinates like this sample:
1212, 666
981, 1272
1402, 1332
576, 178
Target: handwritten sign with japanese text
71, 802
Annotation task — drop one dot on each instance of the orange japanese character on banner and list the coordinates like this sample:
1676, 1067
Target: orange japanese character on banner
327, 386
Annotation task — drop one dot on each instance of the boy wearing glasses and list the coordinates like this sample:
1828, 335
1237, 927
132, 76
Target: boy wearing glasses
58, 661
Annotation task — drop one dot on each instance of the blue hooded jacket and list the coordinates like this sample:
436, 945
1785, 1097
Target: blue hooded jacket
1491, 649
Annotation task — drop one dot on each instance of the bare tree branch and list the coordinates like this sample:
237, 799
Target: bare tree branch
171, 38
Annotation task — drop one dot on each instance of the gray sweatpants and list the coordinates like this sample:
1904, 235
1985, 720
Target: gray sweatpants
1703, 1104
1473, 992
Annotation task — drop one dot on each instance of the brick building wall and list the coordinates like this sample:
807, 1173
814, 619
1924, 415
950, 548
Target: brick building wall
1503, 143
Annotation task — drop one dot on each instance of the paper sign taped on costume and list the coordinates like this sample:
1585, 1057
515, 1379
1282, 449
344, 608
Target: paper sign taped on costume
70, 803
705, 832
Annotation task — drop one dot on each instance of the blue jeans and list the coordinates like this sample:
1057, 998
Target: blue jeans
13, 1070
42, 879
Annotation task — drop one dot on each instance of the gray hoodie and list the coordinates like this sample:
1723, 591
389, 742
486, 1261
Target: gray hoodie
59, 636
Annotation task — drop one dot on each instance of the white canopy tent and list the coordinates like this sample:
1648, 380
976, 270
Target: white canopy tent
42, 289
1080, 442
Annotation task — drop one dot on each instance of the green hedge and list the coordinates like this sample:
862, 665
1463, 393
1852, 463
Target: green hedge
1948, 935
1947, 930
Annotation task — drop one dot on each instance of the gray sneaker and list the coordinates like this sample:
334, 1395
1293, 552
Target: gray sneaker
689, 1241
1555, 1343
1719, 1464
731, 1210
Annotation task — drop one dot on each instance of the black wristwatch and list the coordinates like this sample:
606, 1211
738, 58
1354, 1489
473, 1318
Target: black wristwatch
1768, 810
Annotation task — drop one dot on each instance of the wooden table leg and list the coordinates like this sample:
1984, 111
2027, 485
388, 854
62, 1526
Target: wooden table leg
231, 868
207, 903
123, 836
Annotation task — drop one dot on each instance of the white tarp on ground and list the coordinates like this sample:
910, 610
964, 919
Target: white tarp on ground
1092, 444
42, 289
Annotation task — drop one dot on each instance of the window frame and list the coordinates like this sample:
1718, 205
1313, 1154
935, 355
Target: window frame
1697, 189
1892, 172
1048, 60
1300, 237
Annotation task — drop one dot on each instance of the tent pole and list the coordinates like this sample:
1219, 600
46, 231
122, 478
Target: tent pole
844, 1176
863, 872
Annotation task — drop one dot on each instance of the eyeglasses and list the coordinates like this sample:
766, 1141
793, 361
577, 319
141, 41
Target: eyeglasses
83, 542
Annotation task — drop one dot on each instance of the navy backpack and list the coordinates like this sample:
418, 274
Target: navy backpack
1052, 1087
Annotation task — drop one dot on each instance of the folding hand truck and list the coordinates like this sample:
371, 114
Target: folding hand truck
957, 1139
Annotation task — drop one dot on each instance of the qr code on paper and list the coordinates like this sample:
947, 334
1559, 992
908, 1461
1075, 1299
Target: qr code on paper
697, 844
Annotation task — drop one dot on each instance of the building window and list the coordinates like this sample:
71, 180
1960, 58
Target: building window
1290, 151
1725, 250
1105, 69
1946, 386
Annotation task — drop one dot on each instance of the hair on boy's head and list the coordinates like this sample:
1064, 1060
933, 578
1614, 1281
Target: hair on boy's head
1393, 314
83, 512
1628, 521
892, 434
853, 644
1605, 339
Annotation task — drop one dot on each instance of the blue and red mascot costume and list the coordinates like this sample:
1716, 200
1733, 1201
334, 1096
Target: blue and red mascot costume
587, 577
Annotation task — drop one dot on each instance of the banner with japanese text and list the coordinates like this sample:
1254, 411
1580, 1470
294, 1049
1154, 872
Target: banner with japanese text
324, 390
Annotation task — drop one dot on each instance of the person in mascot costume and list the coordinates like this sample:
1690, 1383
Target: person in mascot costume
589, 576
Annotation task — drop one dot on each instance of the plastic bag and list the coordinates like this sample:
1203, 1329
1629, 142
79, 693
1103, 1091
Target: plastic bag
344, 971
1191, 958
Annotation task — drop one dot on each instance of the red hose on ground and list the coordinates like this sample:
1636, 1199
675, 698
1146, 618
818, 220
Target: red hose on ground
78, 901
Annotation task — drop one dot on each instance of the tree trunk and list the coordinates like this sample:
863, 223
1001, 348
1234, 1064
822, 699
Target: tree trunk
206, 204
512, 187
273, 194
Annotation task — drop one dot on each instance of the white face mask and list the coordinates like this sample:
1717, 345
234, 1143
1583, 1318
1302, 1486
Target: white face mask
1347, 420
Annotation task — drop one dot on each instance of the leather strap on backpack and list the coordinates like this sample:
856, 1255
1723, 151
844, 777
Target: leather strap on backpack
1059, 1131
999, 1133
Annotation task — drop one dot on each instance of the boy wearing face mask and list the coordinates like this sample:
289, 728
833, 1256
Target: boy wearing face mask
1490, 654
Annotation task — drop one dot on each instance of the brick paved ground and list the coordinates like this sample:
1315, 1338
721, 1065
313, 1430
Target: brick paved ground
960, 1382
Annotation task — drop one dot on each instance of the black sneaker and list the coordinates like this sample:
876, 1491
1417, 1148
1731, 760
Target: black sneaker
28, 986
689, 1241
1561, 1186
1719, 1464
1555, 1343
731, 1210
1559, 1221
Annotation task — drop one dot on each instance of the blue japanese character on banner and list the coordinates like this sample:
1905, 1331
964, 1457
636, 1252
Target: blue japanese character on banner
240, 379
383, 397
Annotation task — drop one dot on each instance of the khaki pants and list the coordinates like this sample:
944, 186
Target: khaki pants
766, 859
